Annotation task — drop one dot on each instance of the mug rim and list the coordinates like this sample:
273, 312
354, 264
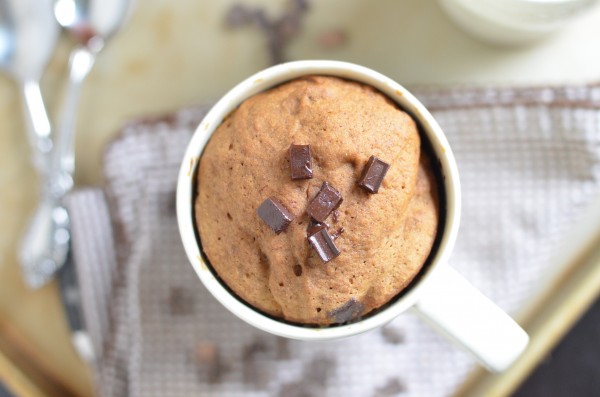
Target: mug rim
269, 78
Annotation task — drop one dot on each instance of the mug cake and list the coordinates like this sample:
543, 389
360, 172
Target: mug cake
316, 202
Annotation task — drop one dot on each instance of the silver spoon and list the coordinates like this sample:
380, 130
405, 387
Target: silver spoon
90, 23
28, 34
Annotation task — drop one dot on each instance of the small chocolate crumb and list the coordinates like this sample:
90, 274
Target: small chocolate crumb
288, 26
337, 233
275, 215
332, 39
297, 270
278, 31
283, 349
315, 376
393, 335
347, 311
323, 244
391, 388
300, 162
210, 367
373, 174
171, 204
256, 372
300, 5
335, 216
181, 301
239, 15
319, 370
257, 347
259, 17
327, 200
298, 389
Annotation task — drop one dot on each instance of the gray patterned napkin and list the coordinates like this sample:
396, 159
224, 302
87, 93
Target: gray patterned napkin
529, 161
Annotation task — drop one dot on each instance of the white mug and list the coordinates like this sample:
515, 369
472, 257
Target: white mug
440, 296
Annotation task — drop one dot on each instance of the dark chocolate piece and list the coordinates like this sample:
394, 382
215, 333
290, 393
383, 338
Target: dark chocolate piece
275, 215
320, 370
323, 244
257, 347
209, 364
347, 311
255, 372
238, 15
278, 31
298, 388
300, 162
393, 335
327, 200
282, 349
181, 301
373, 174
391, 388
332, 39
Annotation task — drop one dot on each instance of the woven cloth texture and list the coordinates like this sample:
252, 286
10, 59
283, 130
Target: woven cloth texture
529, 161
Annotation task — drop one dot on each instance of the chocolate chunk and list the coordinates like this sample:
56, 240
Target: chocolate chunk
238, 15
257, 347
323, 245
320, 370
170, 203
347, 311
332, 39
373, 174
327, 200
300, 162
299, 388
283, 349
209, 365
391, 388
275, 215
255, 371
393, 335
317, 375
181, 301
300, 5
288, 26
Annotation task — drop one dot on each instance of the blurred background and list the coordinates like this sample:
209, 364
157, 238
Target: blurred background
171, 54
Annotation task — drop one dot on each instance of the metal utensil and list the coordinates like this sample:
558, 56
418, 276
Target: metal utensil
90, 23
28, 34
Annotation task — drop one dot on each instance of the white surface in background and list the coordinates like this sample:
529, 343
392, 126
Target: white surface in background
514, 21
414, 42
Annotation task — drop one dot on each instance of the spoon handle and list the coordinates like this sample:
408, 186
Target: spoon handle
63, 162
45, 245
37, 125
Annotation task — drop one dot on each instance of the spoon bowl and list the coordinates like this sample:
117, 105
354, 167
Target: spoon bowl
28, 34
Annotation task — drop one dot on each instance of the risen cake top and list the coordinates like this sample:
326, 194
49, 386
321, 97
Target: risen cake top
382, 237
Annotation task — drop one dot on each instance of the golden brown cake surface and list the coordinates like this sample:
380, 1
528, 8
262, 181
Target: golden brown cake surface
386, 236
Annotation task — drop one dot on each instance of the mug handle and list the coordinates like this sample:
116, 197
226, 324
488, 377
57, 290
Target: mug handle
452, 306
